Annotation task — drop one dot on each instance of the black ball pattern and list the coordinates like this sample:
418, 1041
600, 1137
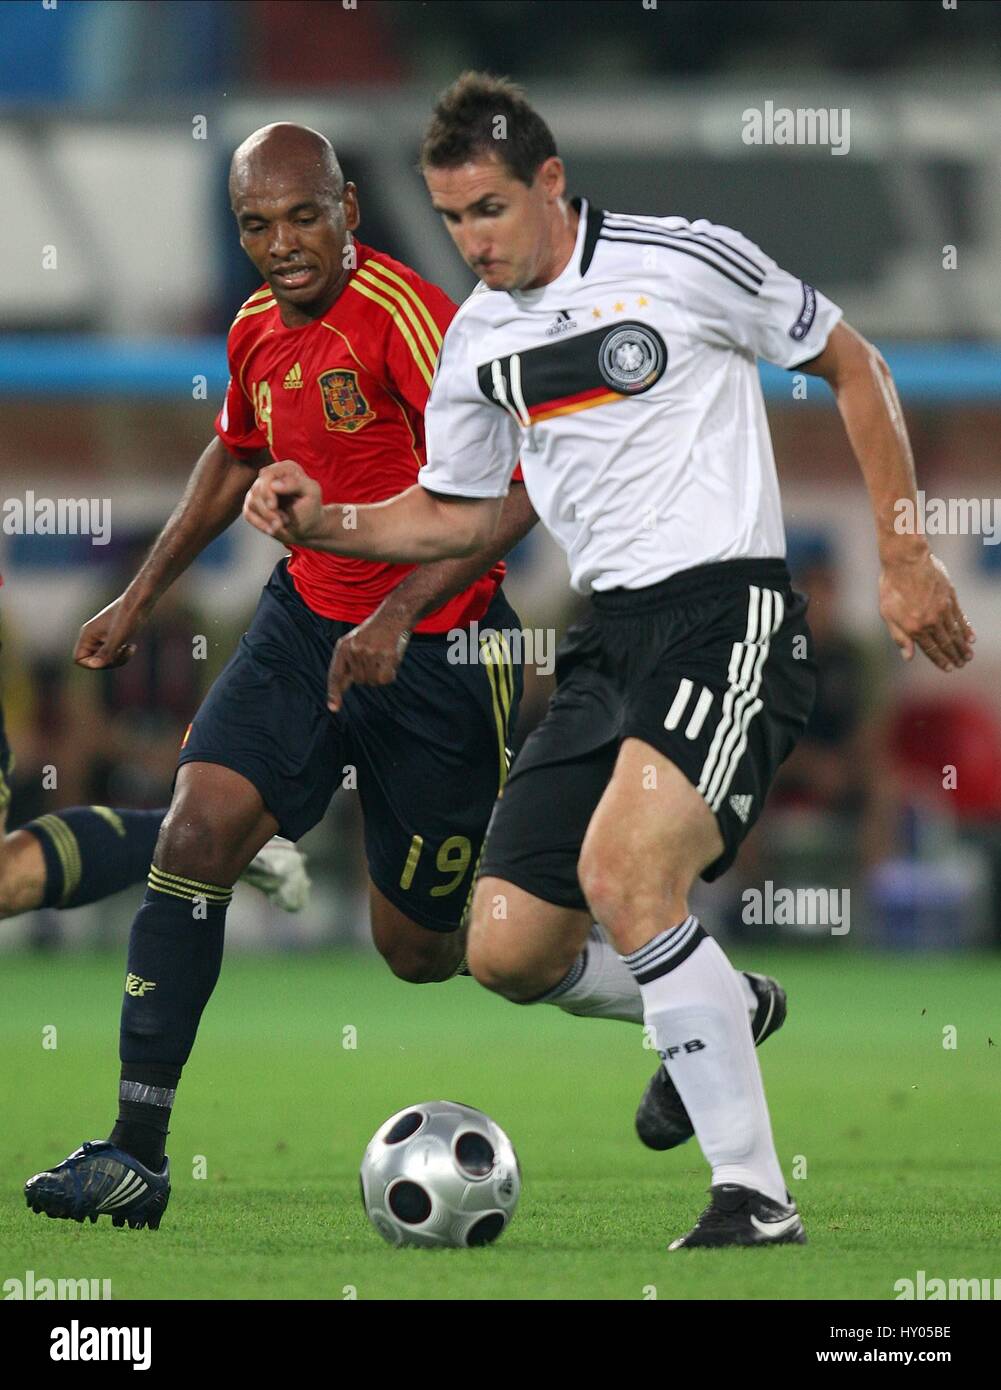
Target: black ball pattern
485, 1230
409, 1203
474, 1154
406, 1125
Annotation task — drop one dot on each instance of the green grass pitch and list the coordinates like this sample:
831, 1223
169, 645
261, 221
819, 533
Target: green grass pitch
898, 1134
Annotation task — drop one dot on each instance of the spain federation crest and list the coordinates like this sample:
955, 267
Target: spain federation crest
344, 406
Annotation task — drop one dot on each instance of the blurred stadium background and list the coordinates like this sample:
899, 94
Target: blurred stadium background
117, 121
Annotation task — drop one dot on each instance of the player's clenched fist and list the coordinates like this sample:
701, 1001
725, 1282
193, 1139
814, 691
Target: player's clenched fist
370, 654
104, 640
285, 503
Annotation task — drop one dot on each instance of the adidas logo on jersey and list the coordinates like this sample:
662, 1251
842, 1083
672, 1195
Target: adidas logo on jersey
741, 806
562, 323
293, 378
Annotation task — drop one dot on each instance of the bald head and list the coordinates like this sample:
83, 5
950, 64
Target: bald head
296, 215
285, 153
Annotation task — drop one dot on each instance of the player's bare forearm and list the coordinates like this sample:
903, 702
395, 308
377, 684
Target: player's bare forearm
211, 502
413, 527
870, 408
426, 588
371, 653
917, 600
212, 499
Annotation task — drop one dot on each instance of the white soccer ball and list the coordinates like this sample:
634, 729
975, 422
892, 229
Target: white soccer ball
440, 1174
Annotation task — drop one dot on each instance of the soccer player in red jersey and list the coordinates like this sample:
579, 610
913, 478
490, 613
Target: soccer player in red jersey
331, 364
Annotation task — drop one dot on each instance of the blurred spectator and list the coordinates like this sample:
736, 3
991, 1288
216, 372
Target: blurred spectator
148, 703
104, 51
357, 44
840, 765
51, 740
946, 751
948, 747
832, 813
115, 50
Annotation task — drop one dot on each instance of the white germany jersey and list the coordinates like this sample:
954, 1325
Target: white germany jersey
628, 388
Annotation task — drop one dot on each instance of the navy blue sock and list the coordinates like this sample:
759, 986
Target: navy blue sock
175, 954
145, 1098
92, 851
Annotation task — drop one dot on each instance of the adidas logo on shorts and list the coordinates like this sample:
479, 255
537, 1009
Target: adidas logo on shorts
741, 806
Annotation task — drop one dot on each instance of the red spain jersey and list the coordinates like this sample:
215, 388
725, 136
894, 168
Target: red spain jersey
344, 397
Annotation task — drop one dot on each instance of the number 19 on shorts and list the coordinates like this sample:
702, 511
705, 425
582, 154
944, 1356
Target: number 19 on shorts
452, 860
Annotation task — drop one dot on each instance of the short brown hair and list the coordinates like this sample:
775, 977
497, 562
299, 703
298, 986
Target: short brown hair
465, 124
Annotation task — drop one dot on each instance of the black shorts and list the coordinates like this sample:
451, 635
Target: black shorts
426, 754
711, 667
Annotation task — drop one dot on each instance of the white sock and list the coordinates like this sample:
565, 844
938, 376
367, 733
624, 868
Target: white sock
599, 984
698, 1013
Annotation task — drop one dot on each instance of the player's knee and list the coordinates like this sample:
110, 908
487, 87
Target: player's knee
423, 962
621, 898
484, 961
500, 951
502, 972
492, 975
216, 824
194, 843
8, 905
607, 892
22, 873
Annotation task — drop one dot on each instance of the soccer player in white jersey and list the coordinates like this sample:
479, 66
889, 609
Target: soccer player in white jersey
616, 356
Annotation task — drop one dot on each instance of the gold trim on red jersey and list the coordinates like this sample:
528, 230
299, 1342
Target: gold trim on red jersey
405, 308
250, 308
428, 317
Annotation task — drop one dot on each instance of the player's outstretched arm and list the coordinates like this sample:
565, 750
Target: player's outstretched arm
212, 501
370, 654
916, 598
414, 527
